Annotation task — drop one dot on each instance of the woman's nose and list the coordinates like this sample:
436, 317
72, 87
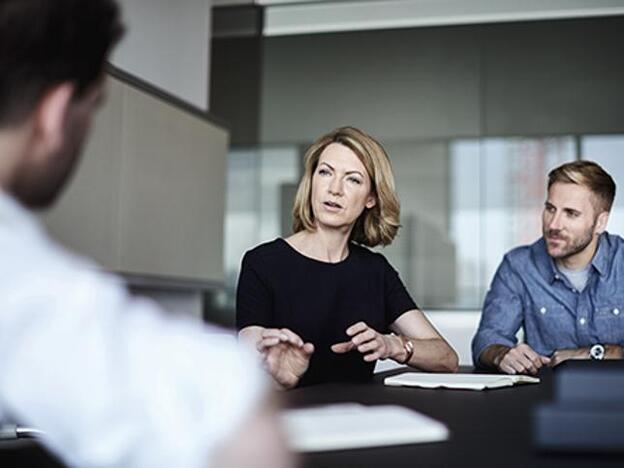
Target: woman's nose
335, 186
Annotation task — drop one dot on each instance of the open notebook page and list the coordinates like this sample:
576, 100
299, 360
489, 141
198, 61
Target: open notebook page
457, 381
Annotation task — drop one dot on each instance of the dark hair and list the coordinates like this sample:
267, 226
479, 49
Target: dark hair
46, 42
590, 175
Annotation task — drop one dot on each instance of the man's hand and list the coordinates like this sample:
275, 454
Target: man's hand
521, 359
286, 357
369, 342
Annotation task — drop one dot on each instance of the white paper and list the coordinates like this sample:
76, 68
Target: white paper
457, 381
351, 425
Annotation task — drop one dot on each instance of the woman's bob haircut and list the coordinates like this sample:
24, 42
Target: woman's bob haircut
375, 226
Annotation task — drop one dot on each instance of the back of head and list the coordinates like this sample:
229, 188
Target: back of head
47, 42
590, 175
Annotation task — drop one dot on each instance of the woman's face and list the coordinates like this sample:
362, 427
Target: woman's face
341, 188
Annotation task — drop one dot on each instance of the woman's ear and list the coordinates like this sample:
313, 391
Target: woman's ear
51, 115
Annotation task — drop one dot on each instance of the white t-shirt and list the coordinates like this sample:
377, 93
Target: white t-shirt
110, 379
578, 278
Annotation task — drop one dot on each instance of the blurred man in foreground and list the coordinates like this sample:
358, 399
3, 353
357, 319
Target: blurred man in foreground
108, 378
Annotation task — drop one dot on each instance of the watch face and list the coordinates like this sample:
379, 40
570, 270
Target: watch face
597, 352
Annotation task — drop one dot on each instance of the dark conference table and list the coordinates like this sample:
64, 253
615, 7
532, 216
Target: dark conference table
488, 428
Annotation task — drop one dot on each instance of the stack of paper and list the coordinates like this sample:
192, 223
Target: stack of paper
457, 381
351, 425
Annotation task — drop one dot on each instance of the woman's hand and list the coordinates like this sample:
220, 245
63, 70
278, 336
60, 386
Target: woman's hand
286, 357
369, 342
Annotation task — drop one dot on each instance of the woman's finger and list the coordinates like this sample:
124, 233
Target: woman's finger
367, 335
292, 337
372, 345
274, 333
357, 328
343, 347
372, 356
267, 343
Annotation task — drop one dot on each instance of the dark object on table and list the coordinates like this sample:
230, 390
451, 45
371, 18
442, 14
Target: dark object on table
587, 414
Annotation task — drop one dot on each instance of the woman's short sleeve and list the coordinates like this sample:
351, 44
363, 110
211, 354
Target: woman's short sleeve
253, 297
398, 301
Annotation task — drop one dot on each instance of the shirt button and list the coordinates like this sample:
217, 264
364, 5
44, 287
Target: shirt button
582, 321
543, 310
616, 311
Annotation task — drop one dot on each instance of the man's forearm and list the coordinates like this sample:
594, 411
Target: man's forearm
613, 351
492, 355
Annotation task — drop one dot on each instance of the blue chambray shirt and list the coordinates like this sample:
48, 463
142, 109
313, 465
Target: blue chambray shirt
528, 291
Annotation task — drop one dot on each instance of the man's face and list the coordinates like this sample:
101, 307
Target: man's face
40, 185
569, 220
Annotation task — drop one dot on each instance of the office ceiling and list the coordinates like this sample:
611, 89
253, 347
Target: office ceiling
288, 17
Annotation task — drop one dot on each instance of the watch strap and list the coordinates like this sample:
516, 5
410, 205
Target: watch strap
408, 347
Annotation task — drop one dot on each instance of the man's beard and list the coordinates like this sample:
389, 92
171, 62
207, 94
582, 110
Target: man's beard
575, 246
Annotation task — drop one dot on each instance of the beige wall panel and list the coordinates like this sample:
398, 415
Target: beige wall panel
173, 187
86, 216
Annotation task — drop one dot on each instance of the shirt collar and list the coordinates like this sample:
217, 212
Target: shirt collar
601, 257
13, 214
543, 261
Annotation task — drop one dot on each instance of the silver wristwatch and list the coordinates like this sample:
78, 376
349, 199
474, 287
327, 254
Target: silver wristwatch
597, 352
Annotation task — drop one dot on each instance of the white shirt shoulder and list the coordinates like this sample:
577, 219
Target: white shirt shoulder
111, 379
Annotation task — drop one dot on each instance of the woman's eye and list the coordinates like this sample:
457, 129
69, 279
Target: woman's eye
355, 180
323, 172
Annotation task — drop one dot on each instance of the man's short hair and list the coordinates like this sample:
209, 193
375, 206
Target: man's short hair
47, 42
590, 175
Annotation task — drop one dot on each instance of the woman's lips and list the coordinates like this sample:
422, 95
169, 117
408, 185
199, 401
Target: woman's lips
332, 206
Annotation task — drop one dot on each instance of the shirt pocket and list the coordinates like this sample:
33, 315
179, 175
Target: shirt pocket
609, 321
555, 325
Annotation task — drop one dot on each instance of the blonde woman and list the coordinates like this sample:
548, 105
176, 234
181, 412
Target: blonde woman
319, 306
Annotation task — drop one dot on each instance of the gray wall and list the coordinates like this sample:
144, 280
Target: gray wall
530, 78
168, 44
554, 78
403, 84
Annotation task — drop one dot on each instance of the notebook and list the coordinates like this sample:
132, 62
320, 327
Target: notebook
457, 381
351, 425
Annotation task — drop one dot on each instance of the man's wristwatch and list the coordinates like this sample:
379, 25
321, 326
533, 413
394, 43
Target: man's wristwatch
597, 352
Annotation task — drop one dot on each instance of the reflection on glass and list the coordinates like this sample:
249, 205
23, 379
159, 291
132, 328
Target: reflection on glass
513, 189
259, 189
608, 151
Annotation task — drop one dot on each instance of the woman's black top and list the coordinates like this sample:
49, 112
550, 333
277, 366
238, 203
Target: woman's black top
281, 288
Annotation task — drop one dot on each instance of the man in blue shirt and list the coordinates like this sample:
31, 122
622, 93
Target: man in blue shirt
566, 290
